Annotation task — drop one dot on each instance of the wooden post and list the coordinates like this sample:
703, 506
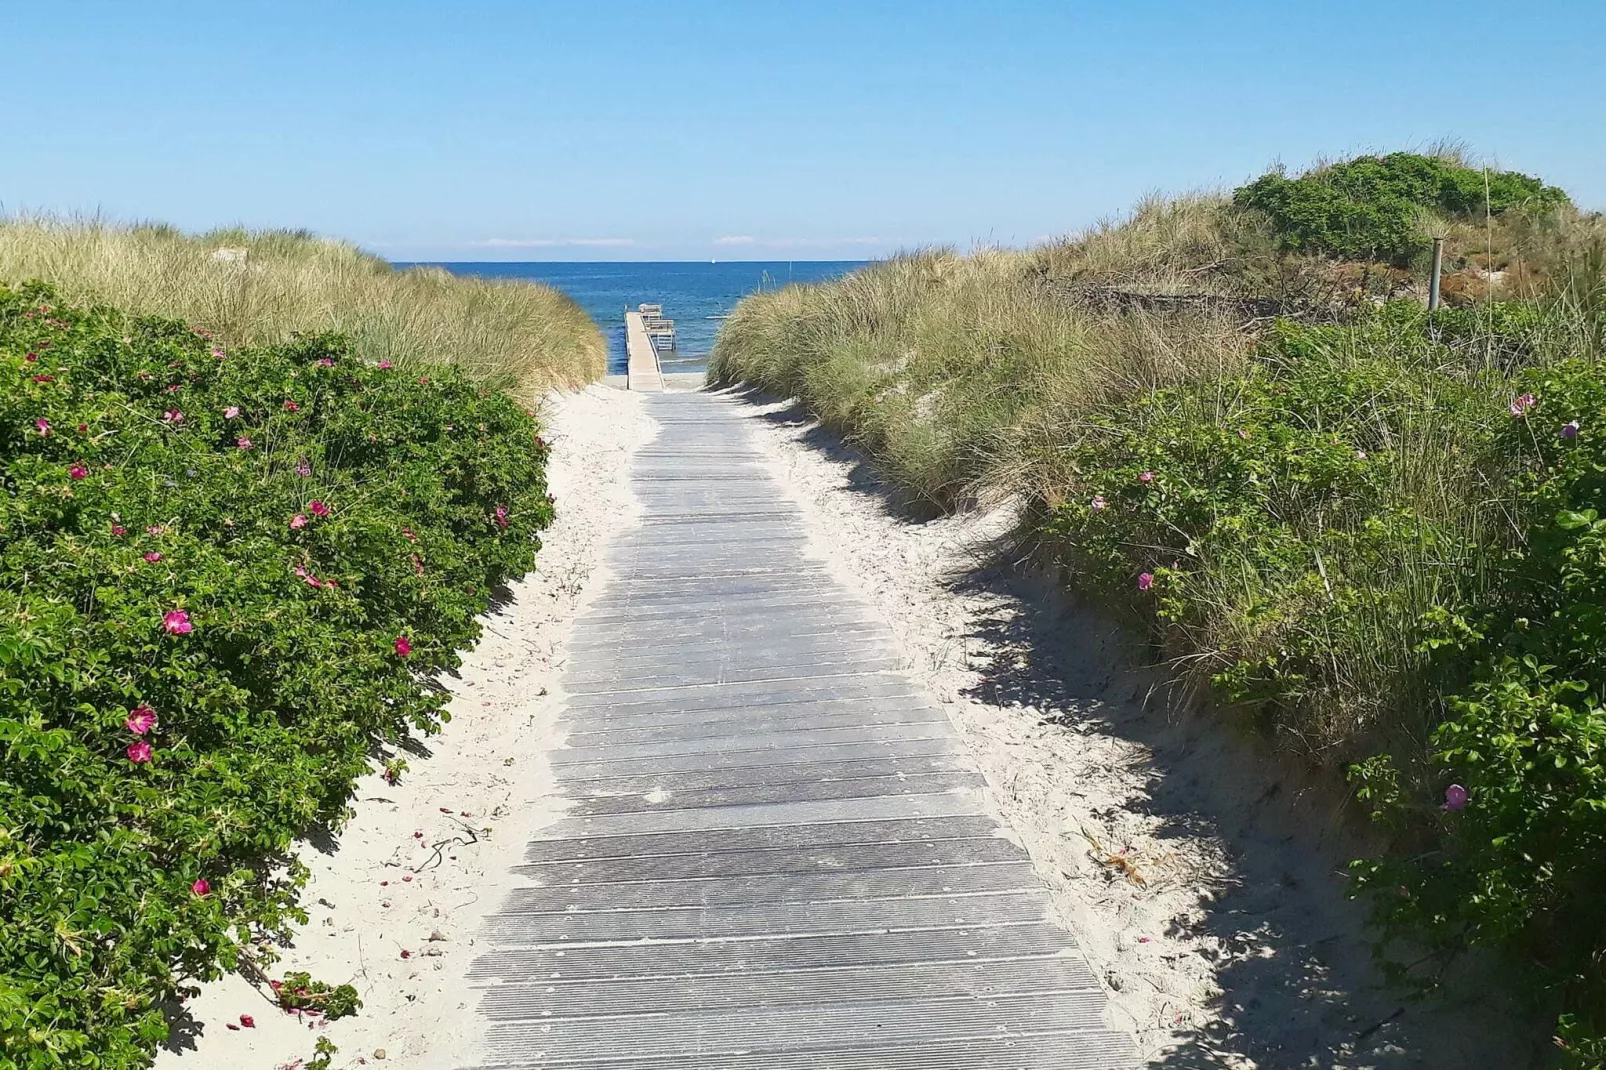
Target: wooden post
1433, 281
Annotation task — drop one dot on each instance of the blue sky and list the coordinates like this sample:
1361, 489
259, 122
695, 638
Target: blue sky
635, 131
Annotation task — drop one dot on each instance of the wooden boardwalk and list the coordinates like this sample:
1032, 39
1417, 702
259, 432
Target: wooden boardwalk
778, 856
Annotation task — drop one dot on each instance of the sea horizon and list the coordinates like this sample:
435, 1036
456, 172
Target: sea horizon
696, 294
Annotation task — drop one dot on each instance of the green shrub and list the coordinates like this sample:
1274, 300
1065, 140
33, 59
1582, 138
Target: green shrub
1370, 208
1375, 537
225, 582
1511, 817
1293, 522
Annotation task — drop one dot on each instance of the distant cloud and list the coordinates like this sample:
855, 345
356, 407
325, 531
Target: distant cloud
793, 243
805, 243
543, 243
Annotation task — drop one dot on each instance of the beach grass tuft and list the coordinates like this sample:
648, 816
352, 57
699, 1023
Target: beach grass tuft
252, 287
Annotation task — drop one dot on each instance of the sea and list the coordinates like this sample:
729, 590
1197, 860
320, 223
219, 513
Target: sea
696, 295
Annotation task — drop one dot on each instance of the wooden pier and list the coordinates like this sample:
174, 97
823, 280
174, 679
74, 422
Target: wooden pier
643, 370
660, 331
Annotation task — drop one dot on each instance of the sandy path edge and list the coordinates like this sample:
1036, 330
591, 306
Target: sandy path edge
1232, 943
381, 890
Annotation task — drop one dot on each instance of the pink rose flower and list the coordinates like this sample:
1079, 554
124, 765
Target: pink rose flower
403, 646
317, 508
119, 530
201, 887
173, 416
243, 442
1146, 477
231, 412
290, 406
1145, 581
501, 516
298, 522
153, 557
386, 365
141, 720
177, 622
43, 425
77, 471
139, 751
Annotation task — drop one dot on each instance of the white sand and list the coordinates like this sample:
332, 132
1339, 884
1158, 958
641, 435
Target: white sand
384, 889
1201, 875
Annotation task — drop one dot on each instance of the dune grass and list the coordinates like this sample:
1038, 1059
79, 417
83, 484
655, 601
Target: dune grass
933, 361
257, 287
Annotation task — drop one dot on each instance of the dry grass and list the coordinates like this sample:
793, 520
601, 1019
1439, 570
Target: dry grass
260, 286
949, 368
1176, 244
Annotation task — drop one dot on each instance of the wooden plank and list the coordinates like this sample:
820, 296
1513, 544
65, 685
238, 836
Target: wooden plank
828, 859
966, 912
849, 984
1080, 1050
678, 958
818, 1028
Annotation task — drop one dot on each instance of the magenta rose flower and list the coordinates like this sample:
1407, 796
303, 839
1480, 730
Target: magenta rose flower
141, 720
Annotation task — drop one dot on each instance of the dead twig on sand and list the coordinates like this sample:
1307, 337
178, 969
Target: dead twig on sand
440, 846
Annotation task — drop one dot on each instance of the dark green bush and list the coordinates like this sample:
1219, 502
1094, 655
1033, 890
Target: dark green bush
1277, 517
1368, 208
1511, 823
225, 583
1389, 538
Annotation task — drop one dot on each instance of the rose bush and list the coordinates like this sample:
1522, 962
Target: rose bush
226, 580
